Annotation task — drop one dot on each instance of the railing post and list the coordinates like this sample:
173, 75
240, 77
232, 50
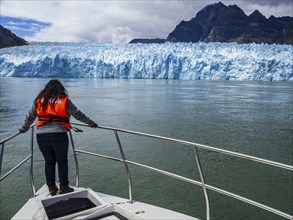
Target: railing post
126, 167
1, 157
2, 142
75, 159
31, 164
203, 182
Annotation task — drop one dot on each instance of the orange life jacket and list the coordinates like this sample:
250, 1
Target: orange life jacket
56, 114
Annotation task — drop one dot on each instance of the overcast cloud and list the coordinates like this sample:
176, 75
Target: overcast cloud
120, 21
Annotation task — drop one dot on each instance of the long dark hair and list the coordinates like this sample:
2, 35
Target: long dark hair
51, 92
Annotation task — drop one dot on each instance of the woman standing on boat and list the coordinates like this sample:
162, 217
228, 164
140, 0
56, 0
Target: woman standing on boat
53, 109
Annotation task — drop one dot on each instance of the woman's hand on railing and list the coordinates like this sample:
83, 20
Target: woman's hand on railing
21, 130
94, 125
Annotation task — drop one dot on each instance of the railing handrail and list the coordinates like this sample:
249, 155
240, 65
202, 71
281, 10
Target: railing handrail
10, 137
206, 147
194, 182
202, 146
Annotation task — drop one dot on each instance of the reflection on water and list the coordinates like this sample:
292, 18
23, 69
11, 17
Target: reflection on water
254, 118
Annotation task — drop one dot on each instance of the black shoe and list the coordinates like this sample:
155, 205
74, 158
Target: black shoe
53, 190
65, 189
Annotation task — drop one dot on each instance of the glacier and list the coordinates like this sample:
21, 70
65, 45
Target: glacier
190, 61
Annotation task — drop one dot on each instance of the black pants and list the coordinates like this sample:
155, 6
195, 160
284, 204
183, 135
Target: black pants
54, 147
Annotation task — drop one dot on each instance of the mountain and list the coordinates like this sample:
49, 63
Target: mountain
9, 39
221, 23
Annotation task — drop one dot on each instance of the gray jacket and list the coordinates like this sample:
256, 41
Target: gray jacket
53, 127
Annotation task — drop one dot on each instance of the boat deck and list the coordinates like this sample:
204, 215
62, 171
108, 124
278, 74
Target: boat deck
106, 207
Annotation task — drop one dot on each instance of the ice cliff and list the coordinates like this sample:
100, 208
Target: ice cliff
204, 61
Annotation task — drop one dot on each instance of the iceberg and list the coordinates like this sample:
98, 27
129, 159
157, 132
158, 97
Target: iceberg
188, 61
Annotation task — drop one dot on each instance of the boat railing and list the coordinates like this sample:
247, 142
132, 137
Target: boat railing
30, 158
126, 162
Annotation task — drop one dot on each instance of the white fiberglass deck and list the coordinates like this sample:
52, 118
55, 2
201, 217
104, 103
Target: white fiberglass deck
106, 207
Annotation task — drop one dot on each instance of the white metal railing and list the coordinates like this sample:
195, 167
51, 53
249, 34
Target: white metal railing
124, 160
30, 158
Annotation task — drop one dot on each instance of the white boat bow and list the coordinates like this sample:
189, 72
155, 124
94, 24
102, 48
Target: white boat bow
84, 203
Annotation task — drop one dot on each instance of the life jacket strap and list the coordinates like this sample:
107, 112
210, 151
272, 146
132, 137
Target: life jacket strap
54, 118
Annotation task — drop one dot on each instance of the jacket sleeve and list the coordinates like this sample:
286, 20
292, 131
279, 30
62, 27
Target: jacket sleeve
77, 114
29, 119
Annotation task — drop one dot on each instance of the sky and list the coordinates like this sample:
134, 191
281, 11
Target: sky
108, 21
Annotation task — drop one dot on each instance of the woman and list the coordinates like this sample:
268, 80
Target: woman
53, 109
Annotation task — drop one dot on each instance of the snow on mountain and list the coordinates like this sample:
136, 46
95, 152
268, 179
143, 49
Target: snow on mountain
205, 61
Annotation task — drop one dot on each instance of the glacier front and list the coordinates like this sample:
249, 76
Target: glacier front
194, 61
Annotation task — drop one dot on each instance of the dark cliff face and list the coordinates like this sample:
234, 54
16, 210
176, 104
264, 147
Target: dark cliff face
8, 39
220, 23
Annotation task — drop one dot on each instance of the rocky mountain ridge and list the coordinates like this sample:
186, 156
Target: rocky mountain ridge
9, 39
221, 23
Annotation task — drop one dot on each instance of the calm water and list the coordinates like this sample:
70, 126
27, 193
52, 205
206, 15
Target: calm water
254, 118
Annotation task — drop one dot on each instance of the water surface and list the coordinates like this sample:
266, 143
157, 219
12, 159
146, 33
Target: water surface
254, 118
